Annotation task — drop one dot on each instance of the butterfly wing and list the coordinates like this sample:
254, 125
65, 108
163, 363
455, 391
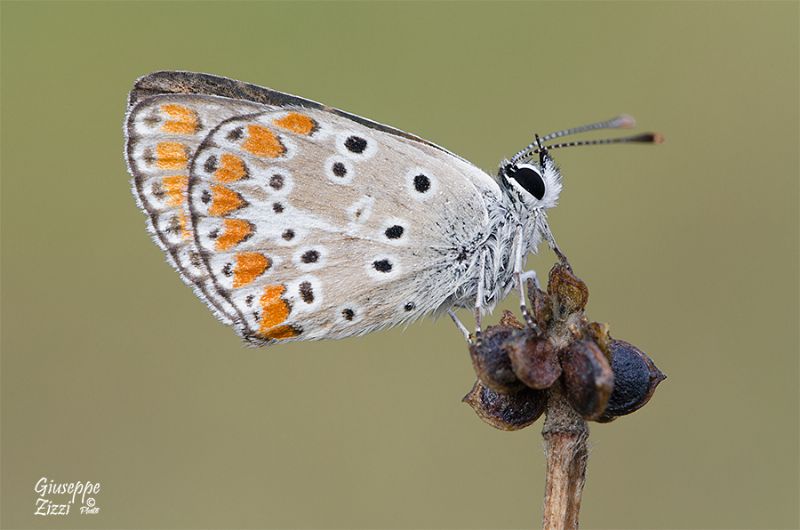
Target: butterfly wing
301, 223
178, 82
162, 135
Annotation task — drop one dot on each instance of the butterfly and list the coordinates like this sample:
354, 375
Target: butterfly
293, 221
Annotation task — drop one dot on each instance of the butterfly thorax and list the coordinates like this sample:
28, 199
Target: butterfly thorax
526, 192
507, 214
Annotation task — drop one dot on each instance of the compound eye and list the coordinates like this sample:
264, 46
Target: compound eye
529, 179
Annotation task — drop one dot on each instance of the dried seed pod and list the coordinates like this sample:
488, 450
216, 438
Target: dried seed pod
534, 360
599, 332
490, 360
635, 380
541, 306
507, 412
509, 320
569, 291
588, 379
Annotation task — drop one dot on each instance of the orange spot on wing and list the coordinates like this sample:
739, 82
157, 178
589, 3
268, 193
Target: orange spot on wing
282, 332
184, 119
249, 266
234, 231
171, 155
274, 309
224, 201
175, 188
231, 168
297, 123
184, 225
262, 142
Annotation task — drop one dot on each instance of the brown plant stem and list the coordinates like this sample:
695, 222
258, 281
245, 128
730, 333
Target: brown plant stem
565, 434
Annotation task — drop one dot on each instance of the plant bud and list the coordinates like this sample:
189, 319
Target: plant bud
588, 379
635, 380
491, 362
507, 412
534, 360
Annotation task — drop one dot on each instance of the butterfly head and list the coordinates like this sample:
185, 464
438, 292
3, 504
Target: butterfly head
531, 178
535, 186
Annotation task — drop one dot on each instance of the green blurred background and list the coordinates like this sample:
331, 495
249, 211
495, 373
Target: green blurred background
113, 371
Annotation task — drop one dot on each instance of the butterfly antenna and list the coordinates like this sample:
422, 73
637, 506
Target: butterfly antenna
623, 121
644, 138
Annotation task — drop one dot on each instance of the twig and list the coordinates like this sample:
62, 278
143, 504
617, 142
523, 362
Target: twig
565, 434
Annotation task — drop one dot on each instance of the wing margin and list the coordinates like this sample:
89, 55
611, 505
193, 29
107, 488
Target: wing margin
185, 82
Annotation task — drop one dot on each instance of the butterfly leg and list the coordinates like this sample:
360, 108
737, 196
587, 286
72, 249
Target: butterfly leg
551, 241
521, 279
479, 299
461, 327
532, 276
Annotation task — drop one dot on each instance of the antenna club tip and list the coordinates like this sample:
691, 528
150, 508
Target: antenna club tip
625, 121
658, 138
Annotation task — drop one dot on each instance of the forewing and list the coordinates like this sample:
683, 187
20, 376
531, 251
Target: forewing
294, 220
315, 226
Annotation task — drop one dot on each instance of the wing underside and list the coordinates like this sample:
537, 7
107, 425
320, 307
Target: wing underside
297, 223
